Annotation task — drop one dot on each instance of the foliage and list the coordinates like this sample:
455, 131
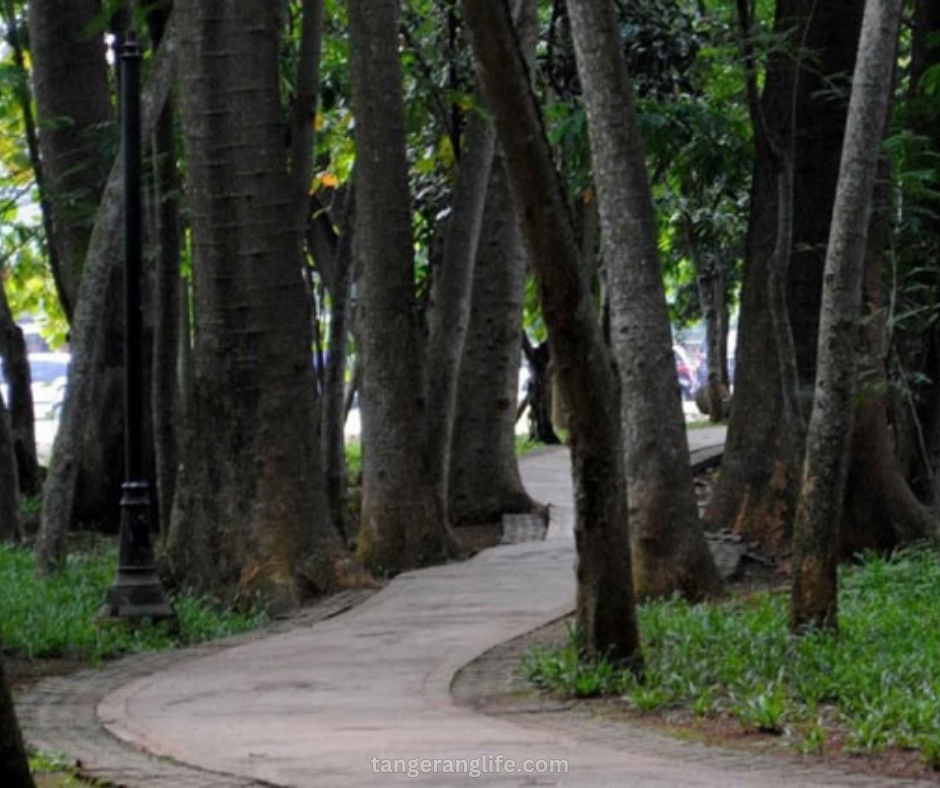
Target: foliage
57, 617
876, 683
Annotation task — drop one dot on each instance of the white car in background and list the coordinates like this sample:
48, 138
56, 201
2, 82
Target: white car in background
49, 372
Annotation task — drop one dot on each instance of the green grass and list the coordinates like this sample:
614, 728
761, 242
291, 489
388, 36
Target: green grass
876, 684
57, 617
525, 444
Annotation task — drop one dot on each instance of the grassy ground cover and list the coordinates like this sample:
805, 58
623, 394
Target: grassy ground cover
57, 616
874, 686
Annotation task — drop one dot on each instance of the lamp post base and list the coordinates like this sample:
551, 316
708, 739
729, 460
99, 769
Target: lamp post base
137, 593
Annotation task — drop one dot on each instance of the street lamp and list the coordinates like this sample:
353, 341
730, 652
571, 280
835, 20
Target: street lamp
137, 592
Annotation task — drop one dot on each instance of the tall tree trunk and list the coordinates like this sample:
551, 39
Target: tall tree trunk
19, 379
831, 45
669, 549
9, 481
166, 306
73, 98
402, 524
484, 471
250, 513
333, 420
76, 123
606, 613
485, 481
452, 296
14, 766
756, 492
88, 326
814, 601
881, 510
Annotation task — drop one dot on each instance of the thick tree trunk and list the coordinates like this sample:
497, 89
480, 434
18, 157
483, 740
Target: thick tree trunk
881, 510
17, 373
669, 549
756, 491
831, 45
814, 601
9, 482
14, 766
402, 524
606, 613
88, 326
73, 98
250, 513
484, 471
452, 296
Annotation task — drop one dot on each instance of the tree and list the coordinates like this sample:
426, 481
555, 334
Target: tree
9, 481
484, 474
14, 767
250, 514
669, 548
814, 601
402, 525
88, 325
605, 605
756, 492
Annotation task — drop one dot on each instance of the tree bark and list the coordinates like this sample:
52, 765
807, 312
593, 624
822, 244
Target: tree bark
452, 294
756, 491
402, 524
606, 613
250, 515
334, 411
9, 482
73, 99
539, 393
166, 306
14, 766
88, 326
814, 601
485, 481
669, 549
881, 510
19, 380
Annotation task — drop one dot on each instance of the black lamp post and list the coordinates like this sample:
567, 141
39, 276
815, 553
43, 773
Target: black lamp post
137, 592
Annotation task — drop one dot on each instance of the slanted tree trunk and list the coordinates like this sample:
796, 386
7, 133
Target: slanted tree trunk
606, 613
19, 379
250, 514
402, 524
88, 325
485, 481
669, 549
9, 481
814, 601
14, 766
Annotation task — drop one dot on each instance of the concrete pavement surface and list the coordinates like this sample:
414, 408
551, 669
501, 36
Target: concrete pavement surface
337, 704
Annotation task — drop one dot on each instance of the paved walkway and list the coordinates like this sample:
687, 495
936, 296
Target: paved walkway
314, 706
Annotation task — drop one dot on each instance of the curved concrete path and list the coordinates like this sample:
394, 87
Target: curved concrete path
313, 707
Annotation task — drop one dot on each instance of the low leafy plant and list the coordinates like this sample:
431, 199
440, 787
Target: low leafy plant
877, 682
58, 616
